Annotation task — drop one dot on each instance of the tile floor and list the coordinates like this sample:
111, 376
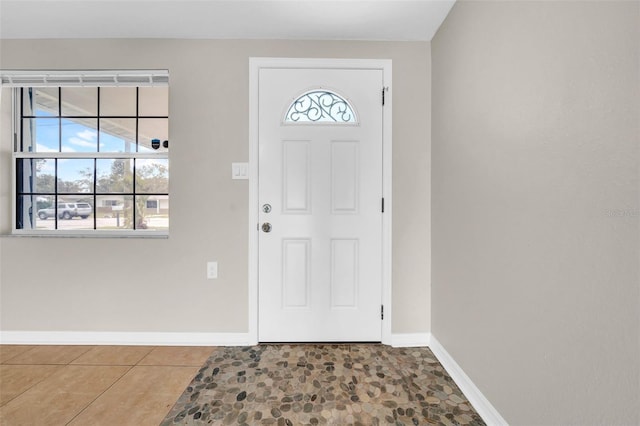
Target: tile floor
93, 385
289, 385
266, 384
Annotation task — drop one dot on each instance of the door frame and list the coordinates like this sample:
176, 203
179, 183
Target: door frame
255, 65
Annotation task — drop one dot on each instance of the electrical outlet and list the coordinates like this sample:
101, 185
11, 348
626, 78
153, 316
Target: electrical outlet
212, 270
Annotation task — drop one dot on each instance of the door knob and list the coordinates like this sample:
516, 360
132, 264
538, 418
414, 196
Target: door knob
266, 227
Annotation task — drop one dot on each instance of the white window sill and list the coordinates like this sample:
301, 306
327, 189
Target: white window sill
95, 234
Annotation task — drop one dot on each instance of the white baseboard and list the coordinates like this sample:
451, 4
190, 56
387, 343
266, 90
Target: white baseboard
122, 338
410, 340
480, 403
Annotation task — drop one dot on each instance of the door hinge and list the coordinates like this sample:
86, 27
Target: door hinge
381, 312
382, 205
384, 89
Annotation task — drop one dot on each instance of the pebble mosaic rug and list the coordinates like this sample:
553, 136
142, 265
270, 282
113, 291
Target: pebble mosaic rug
356, 384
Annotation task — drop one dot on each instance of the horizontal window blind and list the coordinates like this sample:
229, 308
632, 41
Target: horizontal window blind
89, 78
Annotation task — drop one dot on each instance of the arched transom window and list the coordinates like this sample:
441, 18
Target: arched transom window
320, 106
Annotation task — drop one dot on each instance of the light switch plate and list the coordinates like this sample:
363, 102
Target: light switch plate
212, 270
239, 170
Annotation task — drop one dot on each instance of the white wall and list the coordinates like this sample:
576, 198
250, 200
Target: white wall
147, 285
536, 112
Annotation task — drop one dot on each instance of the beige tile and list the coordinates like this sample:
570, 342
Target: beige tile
9, 351
15, 379
173, 355
49, 355
142, 397
61, 396
113, 355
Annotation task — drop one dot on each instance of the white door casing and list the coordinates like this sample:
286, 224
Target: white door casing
323, 271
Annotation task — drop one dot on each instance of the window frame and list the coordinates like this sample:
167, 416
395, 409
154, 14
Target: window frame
107, 79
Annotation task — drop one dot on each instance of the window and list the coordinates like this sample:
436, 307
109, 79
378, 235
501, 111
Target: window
98, 153
320, 106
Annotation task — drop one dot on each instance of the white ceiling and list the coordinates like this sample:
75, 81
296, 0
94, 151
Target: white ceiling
225, 19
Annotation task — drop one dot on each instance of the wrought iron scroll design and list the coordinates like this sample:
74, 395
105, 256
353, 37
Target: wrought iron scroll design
320, 106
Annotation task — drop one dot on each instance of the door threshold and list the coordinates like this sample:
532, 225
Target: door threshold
330, 343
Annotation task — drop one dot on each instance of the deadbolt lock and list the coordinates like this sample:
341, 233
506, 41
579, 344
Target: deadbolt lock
266, 208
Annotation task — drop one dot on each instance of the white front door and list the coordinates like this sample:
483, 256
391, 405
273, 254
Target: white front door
320, 195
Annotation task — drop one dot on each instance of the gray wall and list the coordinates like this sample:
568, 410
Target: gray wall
159, 285
535, 283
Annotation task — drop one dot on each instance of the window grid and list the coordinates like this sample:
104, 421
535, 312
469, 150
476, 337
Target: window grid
320, 106
56, 156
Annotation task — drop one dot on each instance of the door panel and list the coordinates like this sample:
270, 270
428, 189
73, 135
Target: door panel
320, 265
344, 273
296, 265
345, 177
296, 182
